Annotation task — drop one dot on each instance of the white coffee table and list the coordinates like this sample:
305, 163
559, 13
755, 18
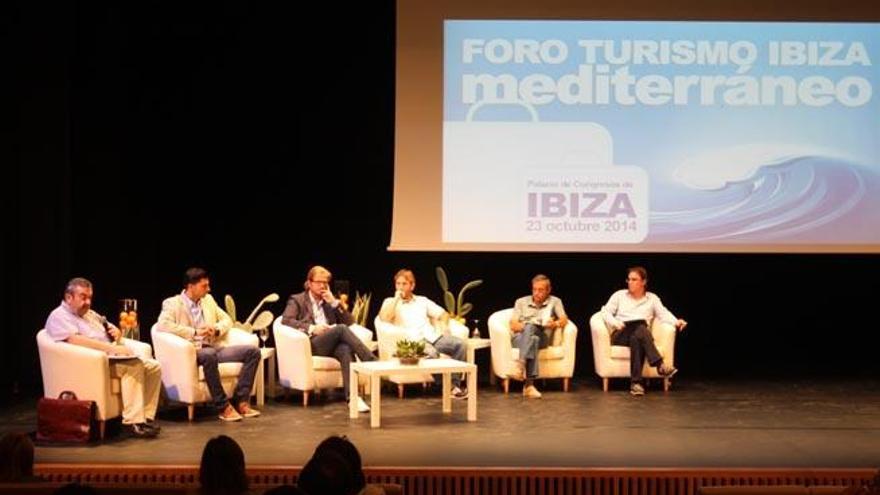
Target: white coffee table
375, 370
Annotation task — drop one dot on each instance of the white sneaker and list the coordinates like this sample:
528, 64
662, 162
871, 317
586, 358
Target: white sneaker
362, 406
531, 392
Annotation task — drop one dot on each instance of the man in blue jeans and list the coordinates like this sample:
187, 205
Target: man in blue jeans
533, 317
194, 315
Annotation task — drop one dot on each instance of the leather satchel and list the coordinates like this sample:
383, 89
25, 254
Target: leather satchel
66, 419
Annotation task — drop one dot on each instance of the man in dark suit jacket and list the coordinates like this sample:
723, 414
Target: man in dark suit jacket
319, 315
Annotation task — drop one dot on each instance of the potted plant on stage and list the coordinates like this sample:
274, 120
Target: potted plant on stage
409, 352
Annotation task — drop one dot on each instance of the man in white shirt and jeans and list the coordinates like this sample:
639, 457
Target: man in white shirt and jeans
628, 311
423, 320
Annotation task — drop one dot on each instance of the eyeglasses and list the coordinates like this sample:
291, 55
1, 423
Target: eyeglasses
320, 282
633, 280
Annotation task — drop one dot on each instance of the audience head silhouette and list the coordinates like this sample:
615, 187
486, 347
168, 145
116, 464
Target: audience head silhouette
16, 458
222, 470
343, 447
327, 473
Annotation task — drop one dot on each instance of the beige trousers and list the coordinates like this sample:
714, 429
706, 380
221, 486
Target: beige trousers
140, 381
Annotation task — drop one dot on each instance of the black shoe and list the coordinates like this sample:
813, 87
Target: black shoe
666, 371
636, 389
153, 425
459, 393
140, 430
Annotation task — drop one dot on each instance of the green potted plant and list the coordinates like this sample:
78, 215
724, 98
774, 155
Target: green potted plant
456, 307
409, 351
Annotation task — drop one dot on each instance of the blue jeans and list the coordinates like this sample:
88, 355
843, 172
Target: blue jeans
456, 349
529, 341
210, 357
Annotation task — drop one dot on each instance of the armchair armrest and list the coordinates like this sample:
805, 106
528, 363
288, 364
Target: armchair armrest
500, 344
664, 339
363, 333
569, 347
140, 349
459, 330
237, 336
601, 336
177, 356
294, 353
82, 370
387, 334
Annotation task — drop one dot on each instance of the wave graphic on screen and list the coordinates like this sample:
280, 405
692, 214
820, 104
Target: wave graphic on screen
756, 193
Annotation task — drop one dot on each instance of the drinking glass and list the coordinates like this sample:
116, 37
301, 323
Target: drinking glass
476, 329
128, 319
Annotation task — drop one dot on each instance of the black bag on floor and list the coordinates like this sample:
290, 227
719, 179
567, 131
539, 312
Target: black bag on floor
66, 419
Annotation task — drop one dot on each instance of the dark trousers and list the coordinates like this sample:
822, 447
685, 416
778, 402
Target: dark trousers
637, 336
341, 343
210, 357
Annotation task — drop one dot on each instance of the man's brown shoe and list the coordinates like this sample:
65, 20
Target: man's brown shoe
247, 411
230, 414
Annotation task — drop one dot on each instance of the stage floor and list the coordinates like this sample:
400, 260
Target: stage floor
697, 424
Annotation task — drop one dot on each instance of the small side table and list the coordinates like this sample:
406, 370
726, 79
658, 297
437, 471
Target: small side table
267, 355
472, 346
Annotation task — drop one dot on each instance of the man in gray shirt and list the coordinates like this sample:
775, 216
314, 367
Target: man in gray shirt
533, 317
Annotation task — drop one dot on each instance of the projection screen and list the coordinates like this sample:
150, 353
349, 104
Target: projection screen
520, 129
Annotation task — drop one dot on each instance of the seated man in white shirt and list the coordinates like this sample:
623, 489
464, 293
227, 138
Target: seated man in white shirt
628, 312
74, 322
423, 320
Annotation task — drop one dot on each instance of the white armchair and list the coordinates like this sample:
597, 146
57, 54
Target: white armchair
555, 361
298, 369
612, 361
183, 378
389, 334
85, 372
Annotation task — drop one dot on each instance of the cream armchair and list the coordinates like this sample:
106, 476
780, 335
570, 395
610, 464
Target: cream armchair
183, 378
389, 334
555, 361
612, 361
298, 369
85, 372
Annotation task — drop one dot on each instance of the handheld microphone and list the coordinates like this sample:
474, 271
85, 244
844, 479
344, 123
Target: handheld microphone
107, 327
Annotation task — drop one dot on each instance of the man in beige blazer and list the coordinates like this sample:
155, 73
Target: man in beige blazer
194, 315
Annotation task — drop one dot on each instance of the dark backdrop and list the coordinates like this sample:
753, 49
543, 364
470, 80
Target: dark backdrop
147, 138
